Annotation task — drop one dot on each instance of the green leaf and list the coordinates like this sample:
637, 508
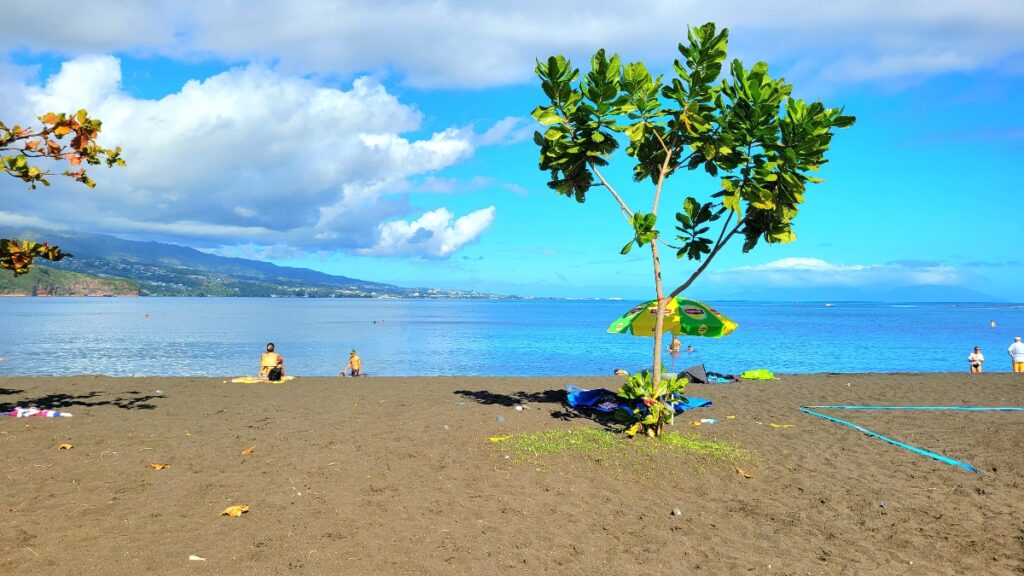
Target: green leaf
546, 116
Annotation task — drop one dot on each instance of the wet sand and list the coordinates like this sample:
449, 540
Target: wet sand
397, 476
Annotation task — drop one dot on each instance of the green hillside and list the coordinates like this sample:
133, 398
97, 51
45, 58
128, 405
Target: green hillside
159, 269
47, 281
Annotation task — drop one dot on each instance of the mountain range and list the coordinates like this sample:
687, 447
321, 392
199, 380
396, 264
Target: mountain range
162, 269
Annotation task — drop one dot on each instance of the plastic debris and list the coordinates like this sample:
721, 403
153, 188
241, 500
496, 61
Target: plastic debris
65, 446
156, 466
248, 450
708, 421
193, 557
744, 473
774, 425
499, 438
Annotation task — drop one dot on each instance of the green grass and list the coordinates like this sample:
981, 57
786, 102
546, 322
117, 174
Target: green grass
596, 442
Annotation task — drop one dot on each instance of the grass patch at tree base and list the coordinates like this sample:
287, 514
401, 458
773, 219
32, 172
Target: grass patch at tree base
600, 443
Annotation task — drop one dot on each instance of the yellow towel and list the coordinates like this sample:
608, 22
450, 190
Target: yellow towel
256, 380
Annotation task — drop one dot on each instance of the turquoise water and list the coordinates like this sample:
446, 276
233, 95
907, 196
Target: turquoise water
224, 336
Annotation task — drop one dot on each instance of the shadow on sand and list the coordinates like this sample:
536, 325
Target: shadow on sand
56, 401
566, 413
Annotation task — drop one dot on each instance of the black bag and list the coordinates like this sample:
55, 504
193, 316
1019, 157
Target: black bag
275, 374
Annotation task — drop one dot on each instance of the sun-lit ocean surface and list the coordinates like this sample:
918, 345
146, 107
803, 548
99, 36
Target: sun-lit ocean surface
224, 336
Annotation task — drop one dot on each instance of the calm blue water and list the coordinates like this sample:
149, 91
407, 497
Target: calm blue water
224, 336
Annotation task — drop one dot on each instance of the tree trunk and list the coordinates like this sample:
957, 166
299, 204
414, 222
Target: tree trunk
659, 320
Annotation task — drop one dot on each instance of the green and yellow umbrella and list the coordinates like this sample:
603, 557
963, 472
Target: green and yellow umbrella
682, 316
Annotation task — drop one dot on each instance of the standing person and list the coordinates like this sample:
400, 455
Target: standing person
355, 365
676, 345
271, 364
976, 360
1016, 351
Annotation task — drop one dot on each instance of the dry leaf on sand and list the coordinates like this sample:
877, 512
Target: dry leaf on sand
248, 450
235, 511
65, 446
744, 473
156, 466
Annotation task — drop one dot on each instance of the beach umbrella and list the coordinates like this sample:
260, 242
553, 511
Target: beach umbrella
682, 316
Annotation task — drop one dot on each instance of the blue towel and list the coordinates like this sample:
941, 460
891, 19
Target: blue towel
606, 400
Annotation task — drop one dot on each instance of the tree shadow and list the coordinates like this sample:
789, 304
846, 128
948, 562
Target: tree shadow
566, 413
55, 401
521, 397
9, 391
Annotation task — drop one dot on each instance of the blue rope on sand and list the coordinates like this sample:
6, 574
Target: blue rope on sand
915, 449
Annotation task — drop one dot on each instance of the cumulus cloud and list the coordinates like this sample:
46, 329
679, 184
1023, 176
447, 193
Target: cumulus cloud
434, 234
250, 154
814, 272
449, 43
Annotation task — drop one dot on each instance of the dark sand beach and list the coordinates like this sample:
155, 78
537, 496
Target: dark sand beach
397, 476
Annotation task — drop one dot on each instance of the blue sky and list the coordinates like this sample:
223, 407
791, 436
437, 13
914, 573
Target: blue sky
391, 141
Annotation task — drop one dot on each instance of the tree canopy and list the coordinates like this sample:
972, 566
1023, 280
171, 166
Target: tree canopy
31, 154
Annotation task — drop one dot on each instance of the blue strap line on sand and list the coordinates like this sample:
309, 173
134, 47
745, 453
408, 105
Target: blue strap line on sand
965, 408
914, 449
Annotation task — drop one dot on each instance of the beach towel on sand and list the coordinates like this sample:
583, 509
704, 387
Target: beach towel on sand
758, 374
606, 401
257, 380
20, 412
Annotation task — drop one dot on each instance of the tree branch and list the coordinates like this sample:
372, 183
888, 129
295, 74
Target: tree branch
622, 205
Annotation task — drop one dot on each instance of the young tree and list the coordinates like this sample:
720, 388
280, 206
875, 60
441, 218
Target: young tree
21, 149
760, 144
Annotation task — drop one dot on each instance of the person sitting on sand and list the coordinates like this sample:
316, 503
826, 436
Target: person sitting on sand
976, 359
271, 364
676, 345
1016, 351
355, 365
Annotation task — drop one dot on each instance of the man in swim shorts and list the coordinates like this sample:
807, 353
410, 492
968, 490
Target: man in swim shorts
355, 365
271, 364
1016, 351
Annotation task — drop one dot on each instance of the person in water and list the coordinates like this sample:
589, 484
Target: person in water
271, 364
976, 359
355, 365
676, 345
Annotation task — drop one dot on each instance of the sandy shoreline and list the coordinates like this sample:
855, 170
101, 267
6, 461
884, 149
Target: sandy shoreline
334, 488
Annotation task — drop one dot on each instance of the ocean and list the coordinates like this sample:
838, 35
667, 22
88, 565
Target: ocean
225, 336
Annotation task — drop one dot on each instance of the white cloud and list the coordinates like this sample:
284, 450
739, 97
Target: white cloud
449, 43
432, 235
508, 130
813, 272
248, 154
